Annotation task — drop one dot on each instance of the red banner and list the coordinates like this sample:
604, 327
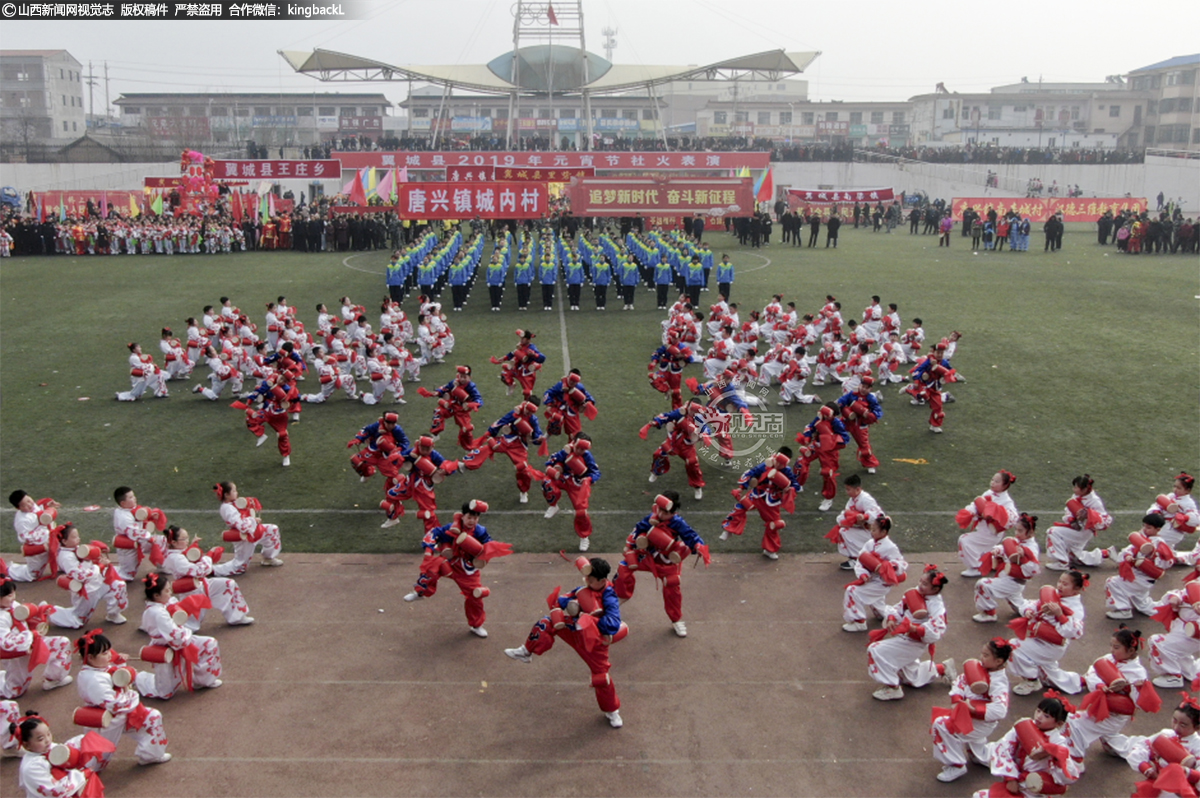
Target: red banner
600, 196
459, 201
647, 161
75, 202
1079, 209
1082, 209
274, 170
520, 175
823, 196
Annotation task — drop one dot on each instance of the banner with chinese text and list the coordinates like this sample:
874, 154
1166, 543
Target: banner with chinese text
1079, 209
353, 123
75, 202
600, 196
489, 174
464, 201
277, 169
557, 160
663, 223
805, 196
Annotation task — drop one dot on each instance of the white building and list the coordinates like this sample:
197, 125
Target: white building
41, 97
1172, 119
271, 119
1063, 115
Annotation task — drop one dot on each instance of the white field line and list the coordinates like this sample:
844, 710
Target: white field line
346, 263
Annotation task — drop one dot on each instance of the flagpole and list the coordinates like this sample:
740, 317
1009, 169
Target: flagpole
550, 47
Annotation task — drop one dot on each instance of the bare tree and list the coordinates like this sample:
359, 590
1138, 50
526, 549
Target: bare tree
24, 127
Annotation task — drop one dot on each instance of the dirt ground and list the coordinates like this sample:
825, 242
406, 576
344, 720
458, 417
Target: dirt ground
343, 689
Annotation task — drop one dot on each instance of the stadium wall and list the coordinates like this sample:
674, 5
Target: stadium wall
1175, 177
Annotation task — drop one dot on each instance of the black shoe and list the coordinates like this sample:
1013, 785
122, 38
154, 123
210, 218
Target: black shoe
848, 565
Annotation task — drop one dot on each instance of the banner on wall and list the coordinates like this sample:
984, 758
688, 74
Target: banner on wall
1079, 209
650, 161
276, 169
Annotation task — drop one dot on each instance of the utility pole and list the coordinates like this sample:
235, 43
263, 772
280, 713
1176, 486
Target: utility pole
106, 102
91, 82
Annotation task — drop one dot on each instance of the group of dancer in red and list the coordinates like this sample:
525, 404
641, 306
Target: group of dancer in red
999, 548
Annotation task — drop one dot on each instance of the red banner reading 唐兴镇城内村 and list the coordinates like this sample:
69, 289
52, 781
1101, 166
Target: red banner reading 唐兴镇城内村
466, 201
1078, 209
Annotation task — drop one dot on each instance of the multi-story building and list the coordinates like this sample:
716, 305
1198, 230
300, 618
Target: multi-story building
446, 116
685, 99
273, 120
1064, 115
41, 97
1172, 119
863, 124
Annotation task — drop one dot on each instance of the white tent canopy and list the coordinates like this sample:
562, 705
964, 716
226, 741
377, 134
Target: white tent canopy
326, 65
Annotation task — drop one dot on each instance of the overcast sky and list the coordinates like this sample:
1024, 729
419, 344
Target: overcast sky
871, 50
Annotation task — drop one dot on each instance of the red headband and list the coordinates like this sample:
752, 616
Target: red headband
220, 491
20, 721
1008, 475
1062, 699
1189, 701
1138, 641
151, 580
1187, 479
85, 642
1000, 643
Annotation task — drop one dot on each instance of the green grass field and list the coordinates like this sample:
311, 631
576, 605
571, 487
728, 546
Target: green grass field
1077, 361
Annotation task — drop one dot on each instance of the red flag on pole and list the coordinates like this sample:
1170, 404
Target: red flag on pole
358, 195
550, 14
236, 206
